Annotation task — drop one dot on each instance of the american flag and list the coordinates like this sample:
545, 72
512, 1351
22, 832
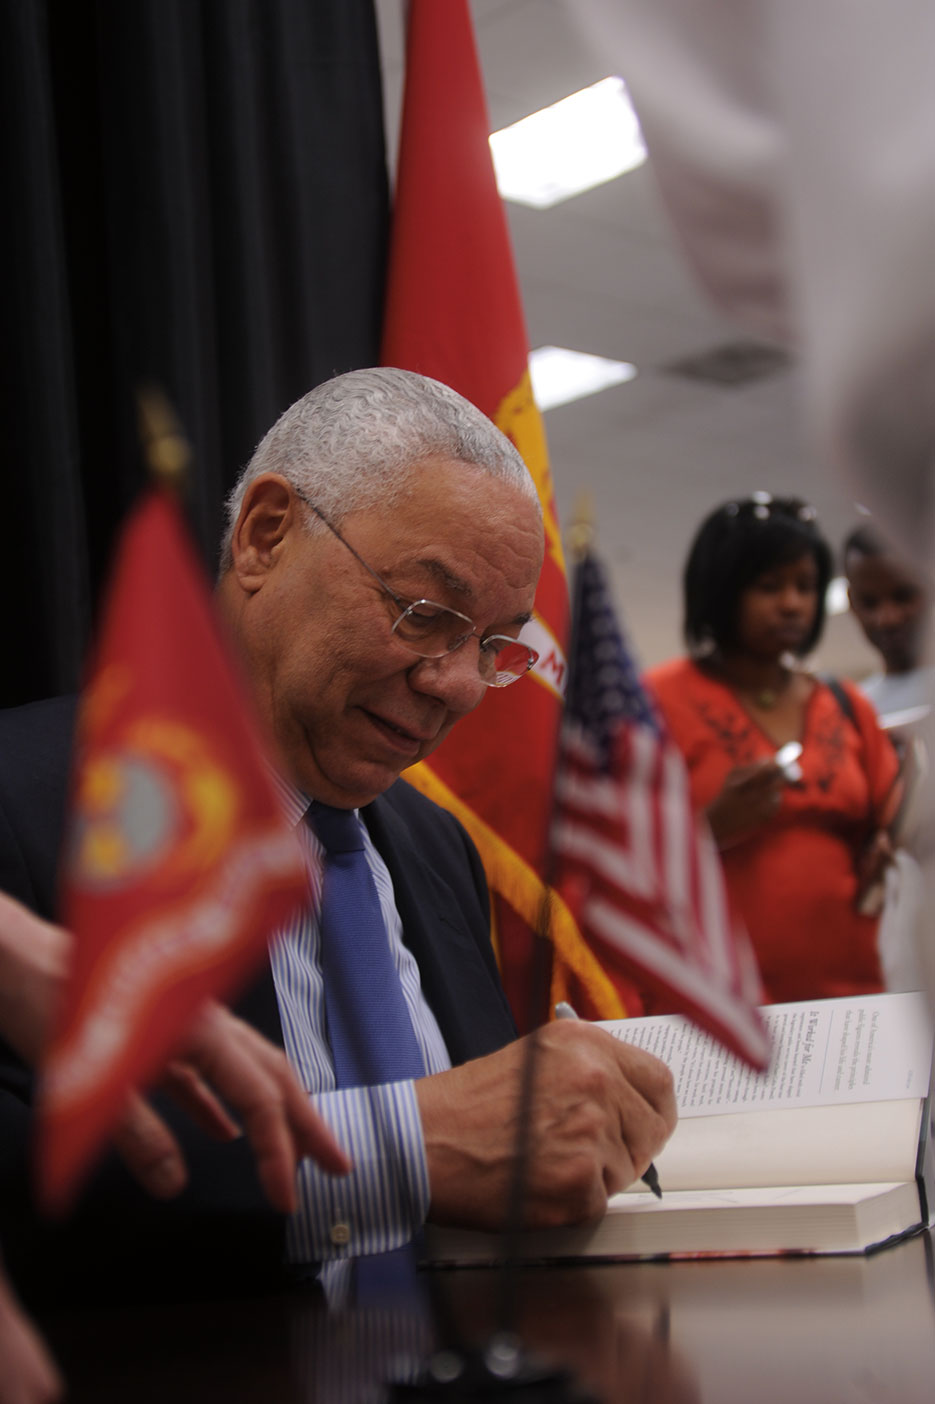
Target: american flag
635, 865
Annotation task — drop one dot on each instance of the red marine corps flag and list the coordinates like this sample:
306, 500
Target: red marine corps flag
453, 312
180, 863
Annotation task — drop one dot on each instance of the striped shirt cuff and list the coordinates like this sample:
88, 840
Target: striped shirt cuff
385, 1198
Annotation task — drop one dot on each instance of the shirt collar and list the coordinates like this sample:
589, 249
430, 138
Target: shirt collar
295, 802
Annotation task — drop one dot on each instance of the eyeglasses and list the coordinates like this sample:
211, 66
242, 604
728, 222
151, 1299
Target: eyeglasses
431, 630
762, 506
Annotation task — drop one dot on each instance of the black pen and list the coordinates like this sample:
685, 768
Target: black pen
650, 1179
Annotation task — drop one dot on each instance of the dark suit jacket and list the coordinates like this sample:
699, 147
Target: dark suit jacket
220, 1232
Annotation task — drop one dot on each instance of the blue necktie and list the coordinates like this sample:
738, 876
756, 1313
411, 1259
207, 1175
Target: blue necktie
369, 1028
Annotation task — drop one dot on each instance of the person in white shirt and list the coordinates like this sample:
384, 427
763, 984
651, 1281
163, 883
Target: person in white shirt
892, 603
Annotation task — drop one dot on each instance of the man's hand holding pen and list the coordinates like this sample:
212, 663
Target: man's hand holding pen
650, 1175
601, 1110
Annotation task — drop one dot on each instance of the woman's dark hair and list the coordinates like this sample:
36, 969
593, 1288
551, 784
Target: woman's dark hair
733, 546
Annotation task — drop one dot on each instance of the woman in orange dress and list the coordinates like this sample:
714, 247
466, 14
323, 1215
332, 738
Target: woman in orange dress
802, 845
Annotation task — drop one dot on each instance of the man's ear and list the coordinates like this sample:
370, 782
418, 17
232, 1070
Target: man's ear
268, 513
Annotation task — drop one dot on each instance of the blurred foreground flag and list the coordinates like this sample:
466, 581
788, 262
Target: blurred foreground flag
636, 866
179, 861
453, 312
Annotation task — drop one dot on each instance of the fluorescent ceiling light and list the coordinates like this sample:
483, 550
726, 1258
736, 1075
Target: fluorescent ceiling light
836, 601
559, 376
587, 138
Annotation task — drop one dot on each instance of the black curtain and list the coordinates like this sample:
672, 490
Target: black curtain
195, 193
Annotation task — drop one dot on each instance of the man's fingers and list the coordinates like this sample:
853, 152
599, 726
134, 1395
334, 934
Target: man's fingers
150, 1151
653, 1079
640, 1088
647, 1119
600, 1112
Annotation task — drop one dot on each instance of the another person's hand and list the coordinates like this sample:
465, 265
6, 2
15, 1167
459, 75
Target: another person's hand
221, 1053
750, 796
224, 1055
871, 873
33, 964
27, 1373
601, 1110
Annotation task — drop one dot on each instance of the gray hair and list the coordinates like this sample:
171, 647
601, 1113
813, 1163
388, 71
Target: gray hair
352, 443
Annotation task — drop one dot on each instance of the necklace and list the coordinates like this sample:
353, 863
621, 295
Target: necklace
766, 698
763, 698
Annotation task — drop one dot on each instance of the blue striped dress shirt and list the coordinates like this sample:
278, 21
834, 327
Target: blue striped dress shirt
384, 1200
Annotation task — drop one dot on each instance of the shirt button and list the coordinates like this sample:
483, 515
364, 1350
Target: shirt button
340, 1234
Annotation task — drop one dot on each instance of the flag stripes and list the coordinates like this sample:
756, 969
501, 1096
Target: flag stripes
637, 867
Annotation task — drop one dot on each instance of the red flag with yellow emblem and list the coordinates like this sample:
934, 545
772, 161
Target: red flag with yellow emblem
453, 311
179, 861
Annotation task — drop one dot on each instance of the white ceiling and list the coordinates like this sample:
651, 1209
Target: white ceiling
602, 273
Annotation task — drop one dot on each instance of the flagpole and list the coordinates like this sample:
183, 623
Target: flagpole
502, 1369
166, 451
580, 535
580, 538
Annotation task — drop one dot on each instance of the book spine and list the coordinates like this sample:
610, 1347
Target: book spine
925, 1159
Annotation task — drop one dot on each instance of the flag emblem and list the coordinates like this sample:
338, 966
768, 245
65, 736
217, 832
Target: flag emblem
157, 804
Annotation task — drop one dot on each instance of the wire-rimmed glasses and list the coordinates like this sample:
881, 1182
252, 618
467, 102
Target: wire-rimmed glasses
430, 630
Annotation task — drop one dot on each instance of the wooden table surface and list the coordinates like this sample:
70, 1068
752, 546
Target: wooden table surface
755, 1331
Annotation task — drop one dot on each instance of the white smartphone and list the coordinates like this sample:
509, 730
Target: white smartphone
787, 758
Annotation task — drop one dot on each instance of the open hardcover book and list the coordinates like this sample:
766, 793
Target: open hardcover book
827, 1152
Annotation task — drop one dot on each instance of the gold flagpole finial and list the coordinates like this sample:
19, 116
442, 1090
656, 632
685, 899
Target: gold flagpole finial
165, 448
581, 531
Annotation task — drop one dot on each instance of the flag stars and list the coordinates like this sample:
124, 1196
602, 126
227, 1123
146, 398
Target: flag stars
607, 692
